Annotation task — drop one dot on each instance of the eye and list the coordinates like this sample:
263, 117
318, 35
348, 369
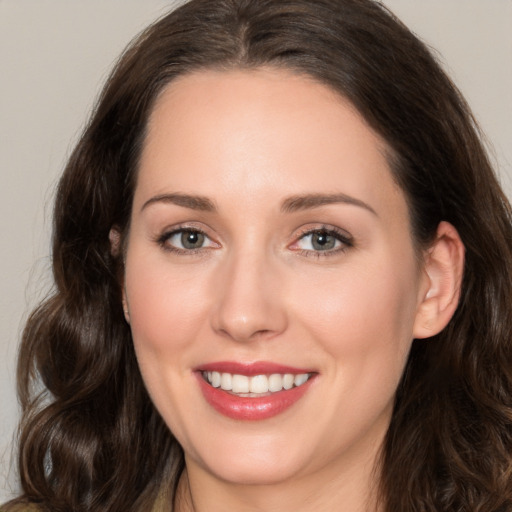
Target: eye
188, 239
318, 241
324, 240
185, 240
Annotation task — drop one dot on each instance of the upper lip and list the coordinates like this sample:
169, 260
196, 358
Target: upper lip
250, 369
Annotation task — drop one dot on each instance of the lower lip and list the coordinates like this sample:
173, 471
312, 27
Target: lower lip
251, 408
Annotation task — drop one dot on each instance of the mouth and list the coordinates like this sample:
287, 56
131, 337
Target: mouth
255, 385
255, 391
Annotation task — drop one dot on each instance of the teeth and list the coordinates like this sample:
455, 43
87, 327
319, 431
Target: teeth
288, 381
257, 384
215, 382
300, 379
225, 382
275, 382
240, 384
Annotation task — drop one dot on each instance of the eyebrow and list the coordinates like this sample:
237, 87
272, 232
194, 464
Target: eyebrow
289, 205
200, 203
309, 201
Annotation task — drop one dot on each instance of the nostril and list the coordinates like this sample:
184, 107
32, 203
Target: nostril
247, 334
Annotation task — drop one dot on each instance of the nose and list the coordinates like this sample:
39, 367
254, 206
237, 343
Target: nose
249, 299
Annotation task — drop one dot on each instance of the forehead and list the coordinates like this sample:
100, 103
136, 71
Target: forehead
263, 131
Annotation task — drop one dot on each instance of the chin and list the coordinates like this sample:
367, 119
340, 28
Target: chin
266, 462
249, 473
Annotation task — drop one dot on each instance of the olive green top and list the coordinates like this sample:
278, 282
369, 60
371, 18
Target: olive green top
34, 508
161, 503
22, 508
159, 507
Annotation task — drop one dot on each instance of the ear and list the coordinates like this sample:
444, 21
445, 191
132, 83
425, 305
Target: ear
126, 311
443, 271
114, 237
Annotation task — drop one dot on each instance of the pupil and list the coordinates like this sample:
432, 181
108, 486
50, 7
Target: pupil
192, 239
323, 241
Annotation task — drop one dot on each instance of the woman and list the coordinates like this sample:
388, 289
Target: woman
282, 279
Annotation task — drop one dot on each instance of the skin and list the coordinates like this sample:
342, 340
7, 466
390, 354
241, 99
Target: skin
258, 290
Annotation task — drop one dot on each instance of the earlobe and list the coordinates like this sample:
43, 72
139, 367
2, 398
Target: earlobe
114, 237
125, 308
443, 269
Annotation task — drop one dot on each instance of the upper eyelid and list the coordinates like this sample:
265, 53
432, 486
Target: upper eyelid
167, 231
341, 233
163, 240
179, 229
344, 237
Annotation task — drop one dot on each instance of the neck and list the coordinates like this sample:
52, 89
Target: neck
353, 489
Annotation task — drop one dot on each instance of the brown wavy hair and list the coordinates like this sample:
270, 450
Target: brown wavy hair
90, 438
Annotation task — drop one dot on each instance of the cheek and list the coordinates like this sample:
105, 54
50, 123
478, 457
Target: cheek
364, 314
165, 303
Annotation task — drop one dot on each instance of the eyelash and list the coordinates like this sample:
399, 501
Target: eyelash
163, 240
343, 237
345, 240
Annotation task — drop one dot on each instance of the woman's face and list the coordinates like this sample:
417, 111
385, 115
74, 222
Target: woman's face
269, 248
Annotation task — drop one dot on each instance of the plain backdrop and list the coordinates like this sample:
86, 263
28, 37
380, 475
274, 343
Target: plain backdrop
54, 56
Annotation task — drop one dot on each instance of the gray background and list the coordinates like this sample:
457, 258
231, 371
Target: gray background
54, 56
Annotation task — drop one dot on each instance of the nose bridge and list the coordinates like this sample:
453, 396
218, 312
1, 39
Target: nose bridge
249, 299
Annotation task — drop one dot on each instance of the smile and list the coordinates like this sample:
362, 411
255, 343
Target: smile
255, 391
255, 385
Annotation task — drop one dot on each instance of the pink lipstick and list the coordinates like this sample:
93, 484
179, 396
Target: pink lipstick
254, 391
